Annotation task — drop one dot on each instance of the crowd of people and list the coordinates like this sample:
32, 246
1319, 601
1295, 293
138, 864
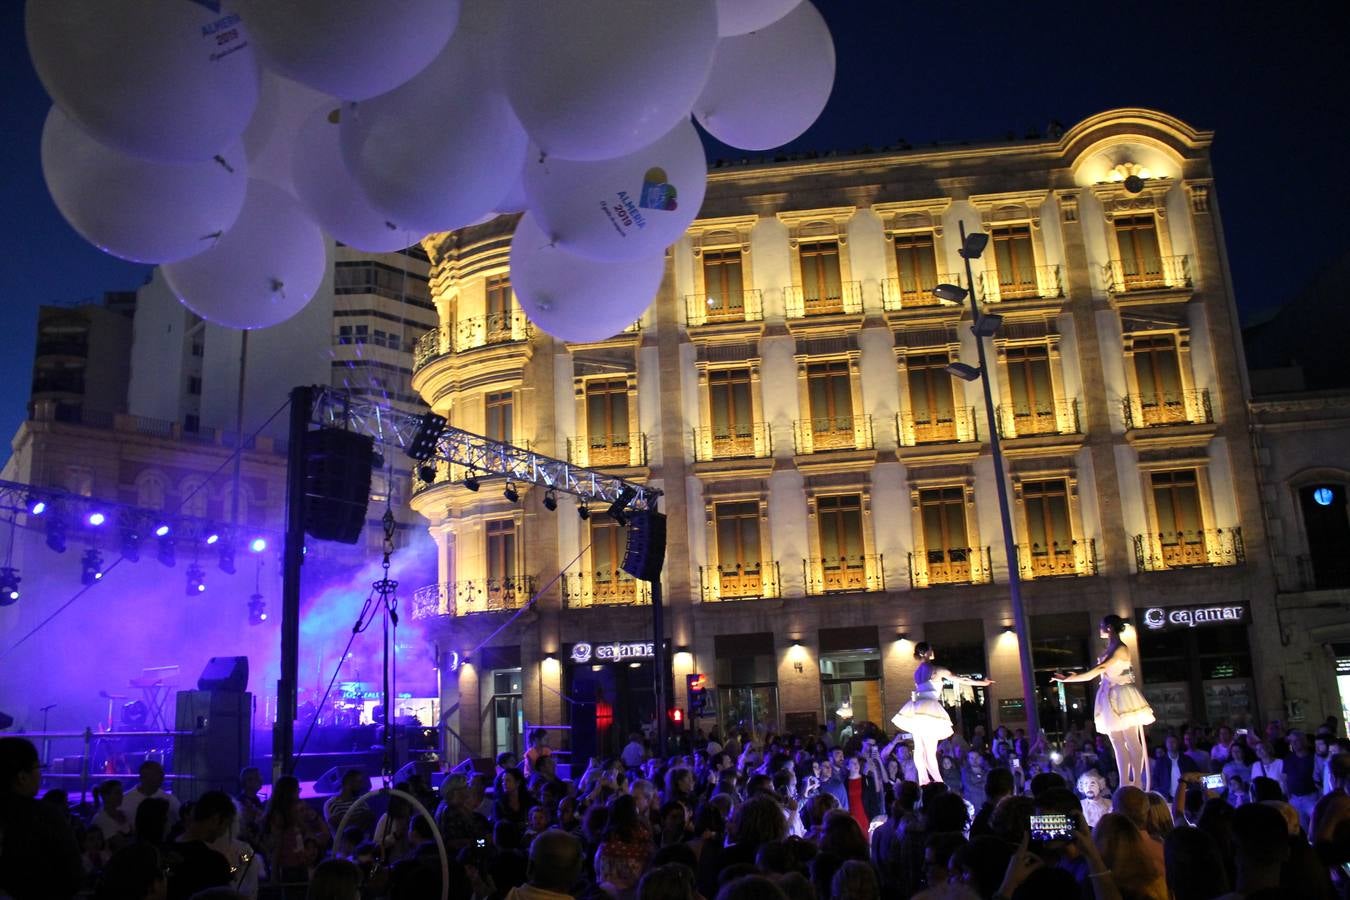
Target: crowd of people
1231, 813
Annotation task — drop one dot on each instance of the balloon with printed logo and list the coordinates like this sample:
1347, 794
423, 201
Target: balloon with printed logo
269, 139
767, 87
440, 151
352, 49
166, 80
595, 79
149, 212
574, 298
626, 208
743, 16
332, 198
262, 272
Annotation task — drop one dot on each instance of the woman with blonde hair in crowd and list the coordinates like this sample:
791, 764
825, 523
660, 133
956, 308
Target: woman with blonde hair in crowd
1133, 868
1160, 821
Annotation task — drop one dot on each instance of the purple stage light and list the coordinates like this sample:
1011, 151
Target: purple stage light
161, 531
37, 507
258, 545
96, 519
211, 539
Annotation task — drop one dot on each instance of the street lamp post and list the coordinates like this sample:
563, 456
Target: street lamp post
984, 327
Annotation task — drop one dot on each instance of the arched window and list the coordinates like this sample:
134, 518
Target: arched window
150, 490
1327, 526
194, 495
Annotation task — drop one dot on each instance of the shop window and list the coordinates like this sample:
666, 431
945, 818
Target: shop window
724, 284
931, 400
498, 409
1198, 674
746, 672
1014, 261
1140, 255
959, 646
916, 265
607, 422
1327, 527
850, 689
507, 711
1059, 643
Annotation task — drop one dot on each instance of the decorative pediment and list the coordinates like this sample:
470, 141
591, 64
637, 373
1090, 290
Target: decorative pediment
805, 225
1015, 206
722, 233
913, 215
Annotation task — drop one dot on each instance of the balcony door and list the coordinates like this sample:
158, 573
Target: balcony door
731, 413
831, 396
822, 282
945, 540
738, 549
1049, 534
1140, 254
724, 285
498, 309
1033, 394
1014, 261
498, 412
1179, 520
501, 564
930, 398
609, 583
916, 266
607, 422
1157, 367
839, 529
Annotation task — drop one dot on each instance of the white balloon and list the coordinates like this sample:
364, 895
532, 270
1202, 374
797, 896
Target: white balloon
442, 150
574, 298
743, 16
140, 210
283, 106
595, 79
263, 271
332, 198
626, 208
766, 88
353, 49
166, 80
514, 201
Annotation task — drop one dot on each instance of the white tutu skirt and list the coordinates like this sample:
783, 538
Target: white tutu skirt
1120, 707
925, 717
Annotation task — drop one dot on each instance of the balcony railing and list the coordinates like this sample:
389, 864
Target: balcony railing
833, 433
608, 450
1024, 420
712, 309
909, 291
604, 588
751, 440
955, 426
800, 303
1163, 273
844, 575
470, 334
1189, 549
1171, 408
1057, 560
954, 565
739, 582
1041, 282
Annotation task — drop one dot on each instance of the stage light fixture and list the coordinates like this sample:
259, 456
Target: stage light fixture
511, 494
551, 500
9, 586
96, 518
225, 557
583, 510
257, 610
91, 566
430, 427
36, 505
620, 504
164, 551
131, 544
258, 545
427, 473
471, 482
211, 539
196, 580
163, 530
56, 533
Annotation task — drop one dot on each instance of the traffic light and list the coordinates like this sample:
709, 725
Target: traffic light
676, 716
697, 684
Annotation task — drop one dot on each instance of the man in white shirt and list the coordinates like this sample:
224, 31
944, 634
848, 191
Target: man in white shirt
151, 784
633, 753
111, 819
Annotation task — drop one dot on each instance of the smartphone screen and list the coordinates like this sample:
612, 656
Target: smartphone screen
1016, 763
1214, 782
1241, 732
1056, 827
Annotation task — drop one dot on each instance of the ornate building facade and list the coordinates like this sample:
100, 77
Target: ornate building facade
828, 482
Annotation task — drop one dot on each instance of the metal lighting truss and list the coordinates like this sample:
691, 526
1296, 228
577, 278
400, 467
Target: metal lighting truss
336, 409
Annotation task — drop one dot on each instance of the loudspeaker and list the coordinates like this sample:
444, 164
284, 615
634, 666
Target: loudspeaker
330, 782
215, 747
337, 483
646, 551
225, 673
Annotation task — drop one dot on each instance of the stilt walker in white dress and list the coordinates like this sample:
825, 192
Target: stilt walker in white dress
1120, 711
924, 716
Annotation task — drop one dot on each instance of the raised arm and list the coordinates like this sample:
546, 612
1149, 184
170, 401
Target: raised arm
1092, 673
947, 675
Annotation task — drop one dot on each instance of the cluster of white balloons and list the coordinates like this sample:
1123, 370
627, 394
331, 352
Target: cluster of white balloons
221, 139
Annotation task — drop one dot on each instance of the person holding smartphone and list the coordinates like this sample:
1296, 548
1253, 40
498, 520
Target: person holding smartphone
924, 716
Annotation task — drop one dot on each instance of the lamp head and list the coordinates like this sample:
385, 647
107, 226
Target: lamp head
963, 371
949, 293
987, 325
974, 244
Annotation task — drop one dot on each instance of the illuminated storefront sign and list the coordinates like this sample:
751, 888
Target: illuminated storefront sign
1159, 618
617, 651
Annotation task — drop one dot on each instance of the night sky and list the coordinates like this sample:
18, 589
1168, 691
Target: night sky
1270, 80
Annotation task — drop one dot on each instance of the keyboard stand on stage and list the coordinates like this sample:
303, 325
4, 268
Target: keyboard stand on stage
157, 685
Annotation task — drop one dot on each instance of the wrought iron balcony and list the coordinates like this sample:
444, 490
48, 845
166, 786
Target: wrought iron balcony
1160, 274
833, 433
432, 600
470, 334
909, 291
955, 426
1024, 420
799, 302
712, 309
1171, 408
750, 440
604, 588
1057, 559
608, 450
1189, 549
954, 565
1038, 283
739, 582
844, 575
